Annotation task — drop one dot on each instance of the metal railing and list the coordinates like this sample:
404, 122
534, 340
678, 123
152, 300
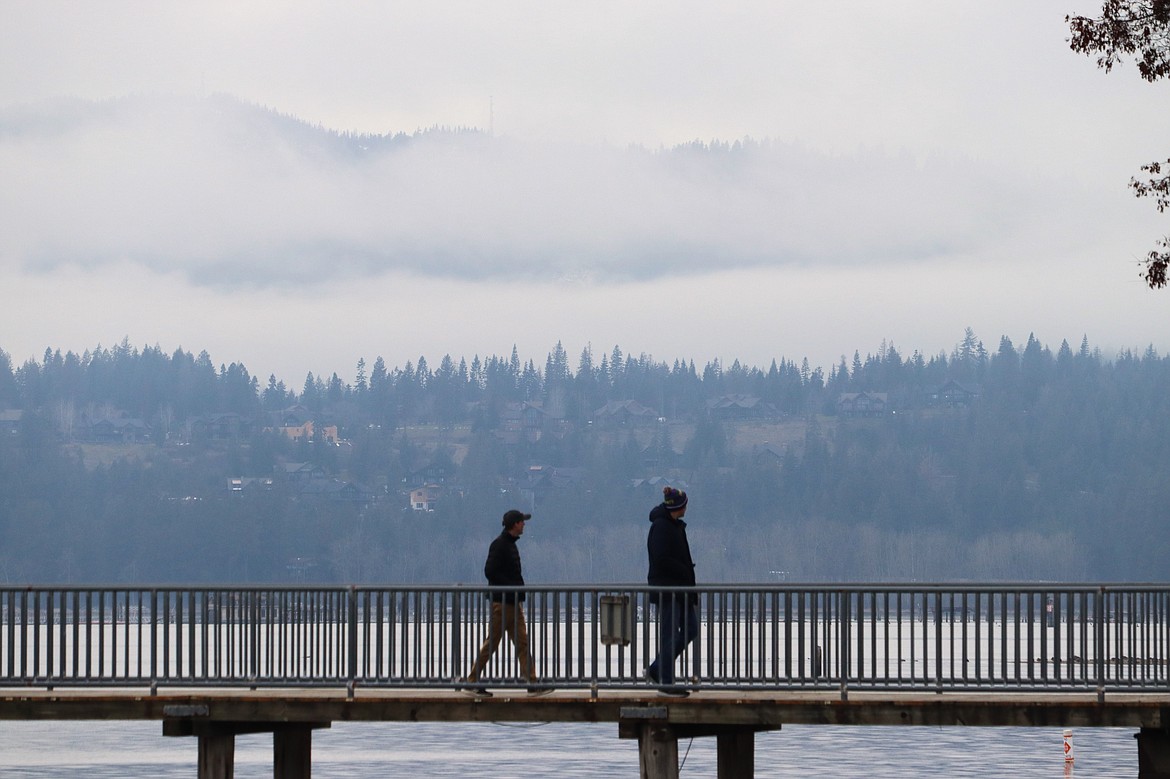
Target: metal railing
943, 637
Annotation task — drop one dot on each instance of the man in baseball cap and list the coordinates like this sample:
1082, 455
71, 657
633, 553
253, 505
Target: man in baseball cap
502, 569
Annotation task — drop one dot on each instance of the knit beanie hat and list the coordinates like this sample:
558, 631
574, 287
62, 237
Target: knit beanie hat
673, 499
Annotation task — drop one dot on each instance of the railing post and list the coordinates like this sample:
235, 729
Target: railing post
352, 649
254, 635
844, 639
595, 638
1099, 630
154, 642
457, 634
938, 642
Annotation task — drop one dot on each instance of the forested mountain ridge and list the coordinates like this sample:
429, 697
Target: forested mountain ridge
1050, 466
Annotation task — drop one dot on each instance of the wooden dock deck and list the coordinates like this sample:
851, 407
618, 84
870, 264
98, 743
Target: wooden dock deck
721, 707
217, 716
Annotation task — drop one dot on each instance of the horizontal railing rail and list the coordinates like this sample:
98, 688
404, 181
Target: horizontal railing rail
940, 637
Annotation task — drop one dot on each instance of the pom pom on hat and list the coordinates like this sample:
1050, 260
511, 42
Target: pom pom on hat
673, 499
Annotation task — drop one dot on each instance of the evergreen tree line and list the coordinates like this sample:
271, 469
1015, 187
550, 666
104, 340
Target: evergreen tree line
161, 388
1055, 471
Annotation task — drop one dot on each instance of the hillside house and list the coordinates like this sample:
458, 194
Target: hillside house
119, 430
298, 472
523, 421
739, 406
770, 453
334, 490
297, 423
436, 471
425, 497
226, 426
624, 413
862, 404
652, 486
239, 485
539, 481
953, 394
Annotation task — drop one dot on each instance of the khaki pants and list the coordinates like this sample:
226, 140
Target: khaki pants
505, 618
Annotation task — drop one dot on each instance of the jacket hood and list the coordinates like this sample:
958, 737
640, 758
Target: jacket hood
659, 512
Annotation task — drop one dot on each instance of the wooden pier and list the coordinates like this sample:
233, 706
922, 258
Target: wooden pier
216, 662
216, 717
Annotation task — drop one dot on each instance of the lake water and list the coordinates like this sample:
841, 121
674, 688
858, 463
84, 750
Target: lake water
117, 750
56, 750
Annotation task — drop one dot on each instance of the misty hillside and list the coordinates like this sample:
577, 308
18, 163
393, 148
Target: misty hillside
225, 192
1013, 463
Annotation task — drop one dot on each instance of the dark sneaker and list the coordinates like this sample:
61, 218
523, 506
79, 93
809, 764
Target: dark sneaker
478, 690
650, 677
540, 689
674, 691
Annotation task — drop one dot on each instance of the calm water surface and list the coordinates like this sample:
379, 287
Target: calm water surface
55, 750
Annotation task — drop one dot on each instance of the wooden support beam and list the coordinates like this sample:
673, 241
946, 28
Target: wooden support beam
737, 754
292, 752
1153, 753
292, 745
188, 727
658, 752
217, 756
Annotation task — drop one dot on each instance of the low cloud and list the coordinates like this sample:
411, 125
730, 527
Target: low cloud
228, 193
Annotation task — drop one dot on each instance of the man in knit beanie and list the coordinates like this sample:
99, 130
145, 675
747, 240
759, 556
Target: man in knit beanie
671, 566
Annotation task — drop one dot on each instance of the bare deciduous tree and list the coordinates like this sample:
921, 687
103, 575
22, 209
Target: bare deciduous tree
1138, 29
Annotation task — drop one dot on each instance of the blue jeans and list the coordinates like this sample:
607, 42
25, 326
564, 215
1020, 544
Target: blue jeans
678, 625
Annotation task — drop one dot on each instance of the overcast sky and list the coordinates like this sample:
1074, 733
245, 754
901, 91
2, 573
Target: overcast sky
923, 167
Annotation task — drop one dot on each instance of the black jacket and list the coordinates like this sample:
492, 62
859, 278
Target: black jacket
502, 568
669, 552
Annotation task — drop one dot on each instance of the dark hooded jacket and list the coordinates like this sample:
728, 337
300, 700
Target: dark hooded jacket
502, 567
669, 552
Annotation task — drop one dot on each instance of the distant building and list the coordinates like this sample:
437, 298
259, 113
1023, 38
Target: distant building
297, 423
652, 486
523, 421
238, 485
624, 413
539, 481
862, 404
118, 430
769, 452
435, 471
297, 472
953, 394
334, 490
739, 406
226, 426
426, 497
